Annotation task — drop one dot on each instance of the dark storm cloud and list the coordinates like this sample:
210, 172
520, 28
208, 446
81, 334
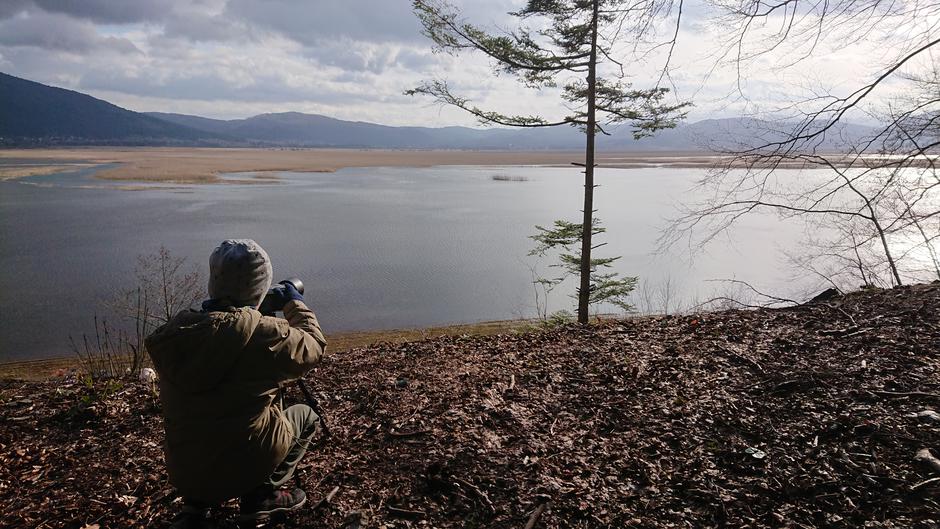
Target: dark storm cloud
59, 32
8, 8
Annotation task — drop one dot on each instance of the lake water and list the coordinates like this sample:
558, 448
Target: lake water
376, 247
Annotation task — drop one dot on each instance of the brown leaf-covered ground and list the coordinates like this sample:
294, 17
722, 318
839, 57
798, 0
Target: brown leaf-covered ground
801, 417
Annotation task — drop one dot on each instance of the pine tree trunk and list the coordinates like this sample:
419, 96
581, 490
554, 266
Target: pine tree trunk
587, 228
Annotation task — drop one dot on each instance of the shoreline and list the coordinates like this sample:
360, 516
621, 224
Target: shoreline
205, 165
49, 368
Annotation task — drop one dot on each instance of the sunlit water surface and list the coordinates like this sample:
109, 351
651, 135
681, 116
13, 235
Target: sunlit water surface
377, 247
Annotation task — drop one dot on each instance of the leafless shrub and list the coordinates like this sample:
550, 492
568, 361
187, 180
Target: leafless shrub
541, 288
167, 283
661, 297
104, 354
877, 206
643, 296
868, 224
737, 294
165, 286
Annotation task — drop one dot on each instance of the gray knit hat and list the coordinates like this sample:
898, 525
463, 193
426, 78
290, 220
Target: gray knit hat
240, 272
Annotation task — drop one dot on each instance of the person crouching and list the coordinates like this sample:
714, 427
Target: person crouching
220, 370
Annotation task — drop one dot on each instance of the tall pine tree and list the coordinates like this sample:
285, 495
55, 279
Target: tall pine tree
573, 40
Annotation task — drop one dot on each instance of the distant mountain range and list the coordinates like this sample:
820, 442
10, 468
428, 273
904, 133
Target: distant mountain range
36, 114
33, 114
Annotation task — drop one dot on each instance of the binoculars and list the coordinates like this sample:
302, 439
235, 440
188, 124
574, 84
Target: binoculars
272, 300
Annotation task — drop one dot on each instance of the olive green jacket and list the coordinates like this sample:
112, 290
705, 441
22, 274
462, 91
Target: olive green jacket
219, 375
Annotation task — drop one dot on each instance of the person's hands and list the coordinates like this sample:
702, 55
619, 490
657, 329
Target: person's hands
290, 293
278, 297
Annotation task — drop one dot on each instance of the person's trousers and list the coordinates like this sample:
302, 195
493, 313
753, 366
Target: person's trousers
305, 423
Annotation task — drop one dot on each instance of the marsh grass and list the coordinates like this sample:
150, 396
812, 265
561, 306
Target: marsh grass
109, 353
509, 178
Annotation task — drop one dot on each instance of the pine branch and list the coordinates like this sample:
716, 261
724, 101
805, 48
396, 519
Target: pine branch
514, 52
442, 94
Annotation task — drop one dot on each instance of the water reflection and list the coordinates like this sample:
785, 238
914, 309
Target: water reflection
377, 247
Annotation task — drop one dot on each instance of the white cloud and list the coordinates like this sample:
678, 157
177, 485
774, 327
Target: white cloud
350, 59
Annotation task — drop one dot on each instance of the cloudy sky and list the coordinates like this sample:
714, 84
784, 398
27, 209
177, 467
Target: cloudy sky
350, 59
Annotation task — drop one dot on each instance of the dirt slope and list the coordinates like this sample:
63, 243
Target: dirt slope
774, 418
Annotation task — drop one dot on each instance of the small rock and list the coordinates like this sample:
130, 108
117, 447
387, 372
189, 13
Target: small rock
148, 375
926, 415
756, 453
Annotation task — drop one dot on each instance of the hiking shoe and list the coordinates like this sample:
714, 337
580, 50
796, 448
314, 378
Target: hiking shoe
265, 502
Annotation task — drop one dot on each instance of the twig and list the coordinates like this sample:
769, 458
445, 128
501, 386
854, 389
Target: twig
924, 483
413, 413
394, 433
741, 357
322, 479
906, 394
926, 458
844, 333
854, 466
405, 513
364, 432
536, 514
787, 385
847, 315
730, 300
838, 332
329, 497
326, 499
860, 331
774, 299
476, 490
